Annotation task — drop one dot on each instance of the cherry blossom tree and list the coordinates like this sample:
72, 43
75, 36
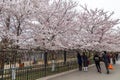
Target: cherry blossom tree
14, 17
55, 19
97, 27
55, 24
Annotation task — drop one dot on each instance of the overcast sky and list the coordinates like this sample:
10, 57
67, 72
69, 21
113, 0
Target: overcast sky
107, 5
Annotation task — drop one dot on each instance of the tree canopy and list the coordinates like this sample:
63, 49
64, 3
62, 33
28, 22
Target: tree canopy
57, 24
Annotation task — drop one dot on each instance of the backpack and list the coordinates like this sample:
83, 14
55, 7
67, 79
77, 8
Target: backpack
96, 58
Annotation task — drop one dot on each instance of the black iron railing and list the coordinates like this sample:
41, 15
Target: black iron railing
35, 72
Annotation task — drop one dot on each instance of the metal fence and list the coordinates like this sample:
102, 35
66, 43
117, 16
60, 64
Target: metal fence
37, 64
35, 72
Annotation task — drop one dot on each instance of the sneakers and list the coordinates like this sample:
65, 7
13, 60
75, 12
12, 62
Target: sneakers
85, 69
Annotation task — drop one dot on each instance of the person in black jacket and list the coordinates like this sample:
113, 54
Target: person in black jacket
106, 61
96, 59
116, 55
79, 58
85, 62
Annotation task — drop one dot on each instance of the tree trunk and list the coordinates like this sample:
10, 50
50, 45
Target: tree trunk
64, 57
2, 65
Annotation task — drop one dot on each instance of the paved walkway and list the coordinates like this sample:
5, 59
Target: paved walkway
92, 74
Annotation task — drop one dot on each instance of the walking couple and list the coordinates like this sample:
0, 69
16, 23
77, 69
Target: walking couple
82, 61
105, 59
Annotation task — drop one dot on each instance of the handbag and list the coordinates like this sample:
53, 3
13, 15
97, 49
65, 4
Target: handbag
110, 66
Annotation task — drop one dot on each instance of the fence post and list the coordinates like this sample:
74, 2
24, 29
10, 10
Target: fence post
64, 57
13, 73
27, 73
45, 61
1, 73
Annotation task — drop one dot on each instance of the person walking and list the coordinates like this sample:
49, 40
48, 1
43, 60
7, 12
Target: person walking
116, 56
96, 59
113, 58
85, 62
79, 58
106, 61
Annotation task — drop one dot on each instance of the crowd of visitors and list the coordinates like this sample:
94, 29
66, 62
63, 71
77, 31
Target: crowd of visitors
105, 57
